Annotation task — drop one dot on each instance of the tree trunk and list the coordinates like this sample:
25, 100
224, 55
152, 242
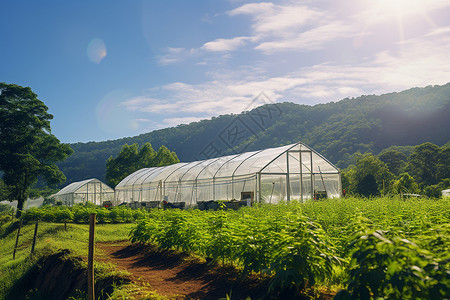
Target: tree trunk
21, 195
20, 203
19, 208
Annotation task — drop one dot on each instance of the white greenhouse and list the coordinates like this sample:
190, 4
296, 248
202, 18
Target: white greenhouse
268, 176
446, 193
92, 190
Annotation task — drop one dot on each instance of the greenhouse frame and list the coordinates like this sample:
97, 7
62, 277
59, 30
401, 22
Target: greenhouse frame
266, 176
92, 190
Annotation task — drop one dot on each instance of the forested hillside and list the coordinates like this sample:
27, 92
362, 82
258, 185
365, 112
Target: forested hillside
336, 130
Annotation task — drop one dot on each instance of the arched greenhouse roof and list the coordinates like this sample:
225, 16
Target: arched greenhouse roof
248, 163
77, 186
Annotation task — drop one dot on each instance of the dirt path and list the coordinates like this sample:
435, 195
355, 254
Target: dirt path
178, 275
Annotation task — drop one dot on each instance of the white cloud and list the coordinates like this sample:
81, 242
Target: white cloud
174, 55
170, 122
313, 39
418, 61
226, 44
148, 105
278, 19
274, 27
292, 26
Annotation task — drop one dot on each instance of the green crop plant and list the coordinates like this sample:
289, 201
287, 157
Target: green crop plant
302, 254
394, 268
304, 244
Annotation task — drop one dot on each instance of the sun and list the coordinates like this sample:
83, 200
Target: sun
402, 12
400, 8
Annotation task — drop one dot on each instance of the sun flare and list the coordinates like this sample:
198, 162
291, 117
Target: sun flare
403, 12
400, 8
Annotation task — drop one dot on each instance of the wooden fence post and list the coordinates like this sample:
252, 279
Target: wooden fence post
90, 270
17, 239
34, 236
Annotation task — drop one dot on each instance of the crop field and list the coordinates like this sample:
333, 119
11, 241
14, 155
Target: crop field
384, 247
360, 248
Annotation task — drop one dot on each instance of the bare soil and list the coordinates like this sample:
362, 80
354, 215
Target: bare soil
180, 276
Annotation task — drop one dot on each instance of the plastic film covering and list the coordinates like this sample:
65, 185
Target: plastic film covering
270, 175
92, 190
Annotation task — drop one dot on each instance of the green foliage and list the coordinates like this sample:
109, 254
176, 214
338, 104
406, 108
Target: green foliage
367, 186
5, 209
303, 244
429, 164
51, 239
435, 190
368, 177
399, 250
443, 163
278, 241
405, 185
302, 255
423, 163
426, 166
131, 159
80, 214
394, 269
394, 159
27, 148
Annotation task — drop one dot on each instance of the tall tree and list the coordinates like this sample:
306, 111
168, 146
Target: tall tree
370, 176
131, 159
423, 164
165, 157
123, 165
28, 150
443, 164
395, 160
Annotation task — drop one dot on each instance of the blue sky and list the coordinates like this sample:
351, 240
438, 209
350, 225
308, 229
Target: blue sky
111, 69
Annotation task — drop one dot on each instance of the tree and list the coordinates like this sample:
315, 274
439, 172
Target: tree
123, 165
395, 160
443, 164
368, 177
131, 159
405, 184
367, 186
28, 150
423, 164
165, 157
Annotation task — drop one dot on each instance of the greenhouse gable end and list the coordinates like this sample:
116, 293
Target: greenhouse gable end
90, 190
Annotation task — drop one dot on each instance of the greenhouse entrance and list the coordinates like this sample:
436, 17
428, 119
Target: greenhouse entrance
266, 176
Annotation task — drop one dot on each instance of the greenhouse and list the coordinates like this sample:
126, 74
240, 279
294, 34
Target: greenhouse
266, 176
92, 190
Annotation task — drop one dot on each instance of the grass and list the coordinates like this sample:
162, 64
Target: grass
135, 291
52, 238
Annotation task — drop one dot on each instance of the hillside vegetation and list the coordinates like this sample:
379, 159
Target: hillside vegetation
336, 130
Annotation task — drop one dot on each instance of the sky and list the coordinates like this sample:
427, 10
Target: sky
112, 69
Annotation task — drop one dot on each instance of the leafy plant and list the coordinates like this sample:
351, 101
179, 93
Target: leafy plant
395, 269
302, 255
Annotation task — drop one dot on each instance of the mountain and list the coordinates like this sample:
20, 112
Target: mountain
367, 123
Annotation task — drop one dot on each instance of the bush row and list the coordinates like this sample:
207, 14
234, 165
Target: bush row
267, 239
80, 214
